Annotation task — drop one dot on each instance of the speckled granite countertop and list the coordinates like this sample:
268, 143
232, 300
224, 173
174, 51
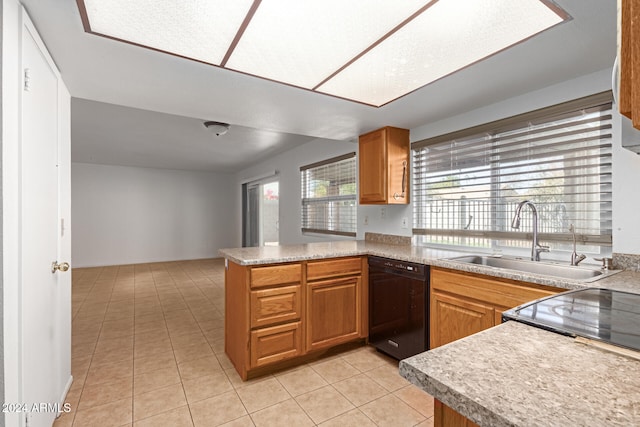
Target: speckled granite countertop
516, 375
307, 251
627, 280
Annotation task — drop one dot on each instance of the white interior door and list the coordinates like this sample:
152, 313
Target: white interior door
41, 334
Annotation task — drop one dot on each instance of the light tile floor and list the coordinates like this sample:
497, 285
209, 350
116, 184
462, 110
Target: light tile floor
148, 350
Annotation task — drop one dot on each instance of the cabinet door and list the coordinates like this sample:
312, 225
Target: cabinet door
333, 312
454, 317
270, 345
384, 166
398, 150
373, 159
277, 305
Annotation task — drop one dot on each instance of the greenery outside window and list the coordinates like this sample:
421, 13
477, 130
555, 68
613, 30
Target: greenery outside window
467, 184
329, 196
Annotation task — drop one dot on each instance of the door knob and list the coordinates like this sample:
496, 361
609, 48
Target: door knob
63, 266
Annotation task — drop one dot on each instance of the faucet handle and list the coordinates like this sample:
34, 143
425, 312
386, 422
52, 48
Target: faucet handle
539, 248
606, 262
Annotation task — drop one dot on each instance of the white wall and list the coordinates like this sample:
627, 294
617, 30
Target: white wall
124, 215
555, 94
626, 171
626, 165
288, 166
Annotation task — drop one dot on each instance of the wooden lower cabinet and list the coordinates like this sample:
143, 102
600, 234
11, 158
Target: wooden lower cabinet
276, 305
454, 317
277, 313
333, 312
443, 416
274, 344
465, 303
462, 304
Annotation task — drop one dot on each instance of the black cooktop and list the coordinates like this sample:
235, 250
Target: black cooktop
601, 314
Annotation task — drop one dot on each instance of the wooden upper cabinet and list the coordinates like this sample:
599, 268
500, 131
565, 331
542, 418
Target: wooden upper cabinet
384, 166
629, 60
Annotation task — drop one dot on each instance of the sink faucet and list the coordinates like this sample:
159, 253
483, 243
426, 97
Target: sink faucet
536, 247
575, 258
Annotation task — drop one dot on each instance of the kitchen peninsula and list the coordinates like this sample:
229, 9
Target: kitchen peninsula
519, 375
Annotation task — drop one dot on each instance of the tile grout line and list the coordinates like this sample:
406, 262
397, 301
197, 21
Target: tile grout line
197, 280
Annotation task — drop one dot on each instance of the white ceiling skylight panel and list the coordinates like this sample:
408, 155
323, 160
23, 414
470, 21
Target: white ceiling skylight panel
368, 51
197, 29
442, 40
303, 42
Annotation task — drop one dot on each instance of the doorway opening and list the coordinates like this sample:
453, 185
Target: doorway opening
261, 212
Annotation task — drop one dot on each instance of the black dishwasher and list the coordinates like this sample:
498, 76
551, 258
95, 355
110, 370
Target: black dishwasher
398, 307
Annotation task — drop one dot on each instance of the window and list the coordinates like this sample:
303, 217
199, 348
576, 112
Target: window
329, 196
468, 184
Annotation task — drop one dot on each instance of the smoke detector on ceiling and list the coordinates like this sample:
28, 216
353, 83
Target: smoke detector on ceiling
218, 128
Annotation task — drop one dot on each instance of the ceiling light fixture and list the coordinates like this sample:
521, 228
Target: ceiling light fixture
217, 128
367, 51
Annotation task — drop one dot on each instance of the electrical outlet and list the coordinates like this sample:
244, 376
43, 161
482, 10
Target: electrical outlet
405, 222
383, 213
366, 220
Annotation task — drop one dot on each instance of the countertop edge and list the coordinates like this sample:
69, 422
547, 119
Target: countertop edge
417, 254
471, 409
516, 375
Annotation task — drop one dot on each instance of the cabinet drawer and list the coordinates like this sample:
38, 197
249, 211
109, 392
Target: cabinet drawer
334, 268
498, 292
278, 274
276, 305
276, 343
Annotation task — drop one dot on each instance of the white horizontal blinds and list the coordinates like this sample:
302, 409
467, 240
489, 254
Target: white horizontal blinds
466, 187
329, 196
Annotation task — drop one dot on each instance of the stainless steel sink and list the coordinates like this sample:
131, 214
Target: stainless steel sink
581, 273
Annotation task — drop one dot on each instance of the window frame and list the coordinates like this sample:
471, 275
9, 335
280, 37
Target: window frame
544, 115
340, 228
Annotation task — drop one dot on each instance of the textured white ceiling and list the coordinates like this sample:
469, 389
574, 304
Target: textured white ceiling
111, 134
103, 70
